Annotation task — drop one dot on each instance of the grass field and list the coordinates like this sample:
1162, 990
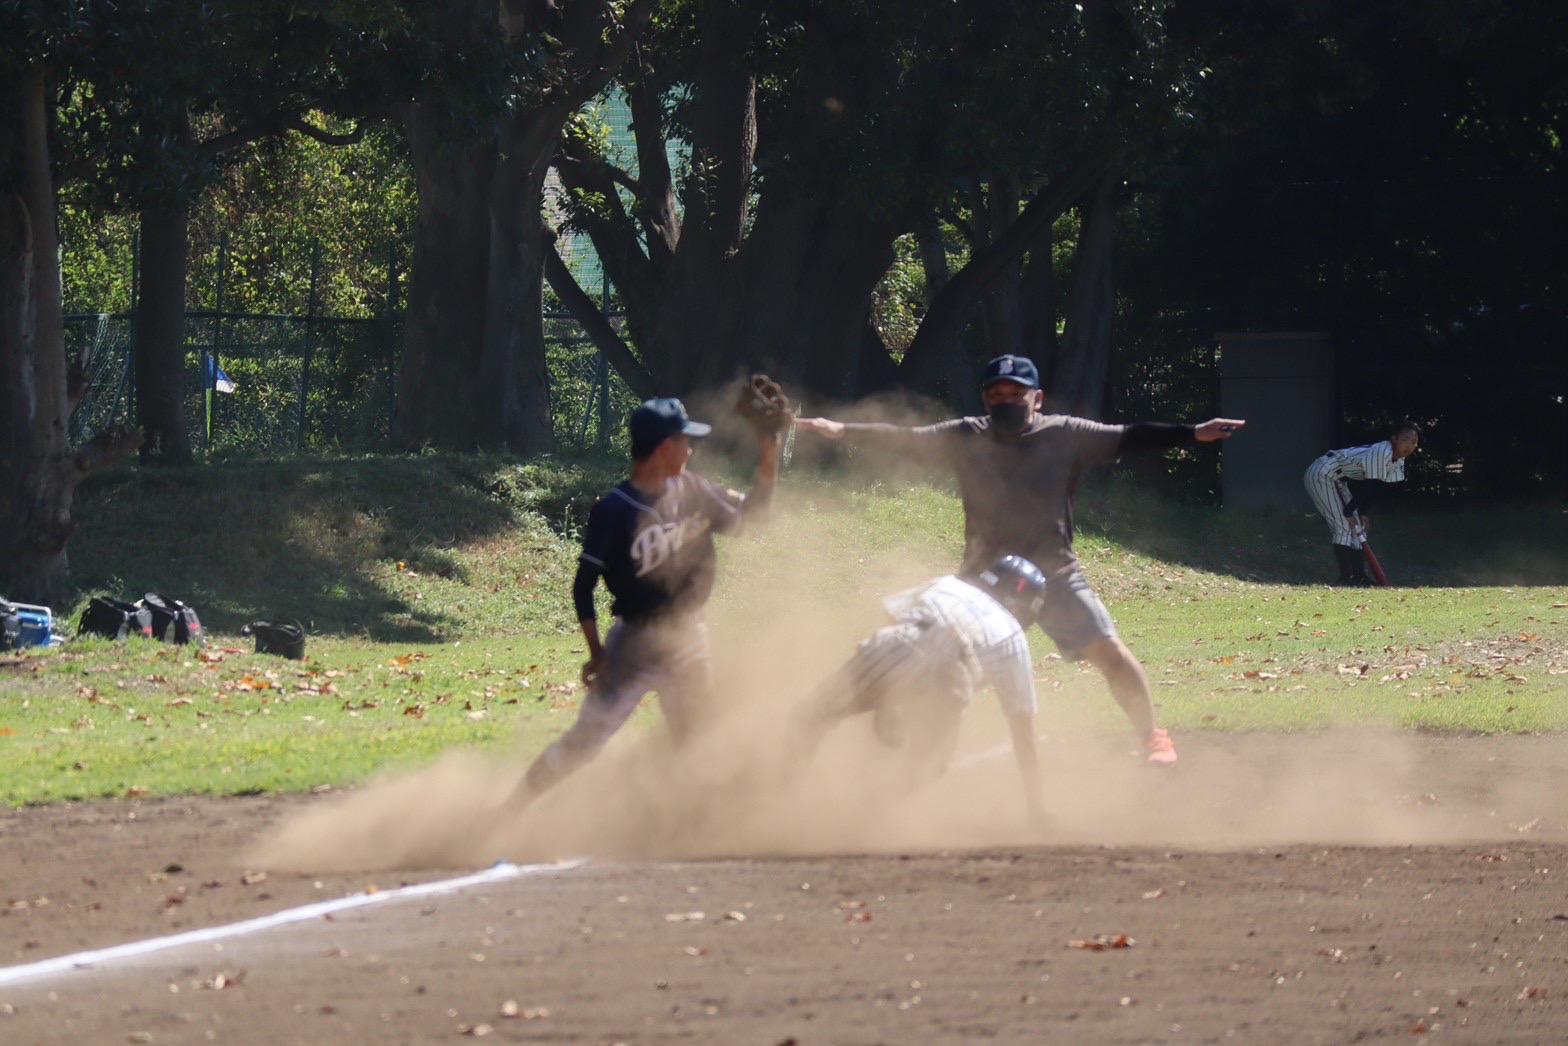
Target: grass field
436, 593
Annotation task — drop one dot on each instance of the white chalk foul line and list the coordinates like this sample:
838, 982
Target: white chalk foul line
502, 870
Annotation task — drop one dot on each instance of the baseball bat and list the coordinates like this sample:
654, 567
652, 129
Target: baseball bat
1372, 563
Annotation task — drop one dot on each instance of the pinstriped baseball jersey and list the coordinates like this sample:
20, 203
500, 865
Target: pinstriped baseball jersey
983, 627
1373, 461
1326, 482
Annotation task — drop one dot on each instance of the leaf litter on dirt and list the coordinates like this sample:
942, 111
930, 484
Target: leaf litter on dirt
1102, 942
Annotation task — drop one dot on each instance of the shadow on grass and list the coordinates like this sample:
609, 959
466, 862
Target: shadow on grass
1420, 543
317, 539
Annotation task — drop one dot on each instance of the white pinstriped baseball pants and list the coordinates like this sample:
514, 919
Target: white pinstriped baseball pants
1329, 493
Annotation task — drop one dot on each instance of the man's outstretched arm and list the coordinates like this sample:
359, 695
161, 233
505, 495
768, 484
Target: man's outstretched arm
1160, 435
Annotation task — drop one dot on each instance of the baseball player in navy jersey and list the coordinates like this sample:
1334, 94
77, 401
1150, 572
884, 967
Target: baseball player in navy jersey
1017, 470
1329, 482
917, 674
651, 540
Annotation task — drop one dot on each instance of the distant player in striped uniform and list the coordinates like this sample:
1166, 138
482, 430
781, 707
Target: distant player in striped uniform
917, 674
1336, 485
651, 540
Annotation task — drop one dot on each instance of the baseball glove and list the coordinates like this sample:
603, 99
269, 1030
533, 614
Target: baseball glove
765, 406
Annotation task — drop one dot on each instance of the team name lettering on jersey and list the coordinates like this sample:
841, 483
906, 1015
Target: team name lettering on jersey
657, 542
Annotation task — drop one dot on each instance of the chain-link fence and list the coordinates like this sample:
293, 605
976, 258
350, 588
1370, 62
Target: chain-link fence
282, 384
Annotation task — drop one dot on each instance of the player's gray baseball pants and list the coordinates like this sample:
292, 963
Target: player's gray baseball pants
668, 657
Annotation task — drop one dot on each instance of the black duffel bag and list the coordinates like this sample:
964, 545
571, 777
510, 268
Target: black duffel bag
285, 638
10, 627
172, 620
114, 618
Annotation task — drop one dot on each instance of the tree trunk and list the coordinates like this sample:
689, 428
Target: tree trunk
1081, 378
999, 310
930, 354
39, 469
444, 327
1037, 304
794, 301
692, 345
160, 334
474, 372
513, 393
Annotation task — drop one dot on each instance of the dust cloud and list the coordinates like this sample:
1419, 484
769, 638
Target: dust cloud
791, 605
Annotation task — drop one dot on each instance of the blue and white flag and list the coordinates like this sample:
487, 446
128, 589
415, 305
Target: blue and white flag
215, 378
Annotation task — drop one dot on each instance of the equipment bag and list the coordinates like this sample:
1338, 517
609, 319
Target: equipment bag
285, 638
115, 618
10, 627
172, 621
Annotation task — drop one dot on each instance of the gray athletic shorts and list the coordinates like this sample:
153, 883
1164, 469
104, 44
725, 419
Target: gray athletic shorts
1073, 615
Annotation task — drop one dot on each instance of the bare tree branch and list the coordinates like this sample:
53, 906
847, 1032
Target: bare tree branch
604, 337
951, 306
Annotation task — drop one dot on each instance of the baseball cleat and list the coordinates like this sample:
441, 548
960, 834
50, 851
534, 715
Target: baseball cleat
1161, 751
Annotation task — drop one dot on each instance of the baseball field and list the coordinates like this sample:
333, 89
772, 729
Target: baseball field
1363, 838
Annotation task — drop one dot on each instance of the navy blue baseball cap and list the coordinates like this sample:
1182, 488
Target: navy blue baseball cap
1012, 368
659, 419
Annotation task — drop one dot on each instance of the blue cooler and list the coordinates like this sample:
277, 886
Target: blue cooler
37, 624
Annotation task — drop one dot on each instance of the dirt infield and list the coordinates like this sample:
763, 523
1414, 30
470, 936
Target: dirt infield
1271, 888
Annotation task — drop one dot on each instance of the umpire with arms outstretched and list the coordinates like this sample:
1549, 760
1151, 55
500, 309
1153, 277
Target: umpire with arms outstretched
651, 540
1017, 470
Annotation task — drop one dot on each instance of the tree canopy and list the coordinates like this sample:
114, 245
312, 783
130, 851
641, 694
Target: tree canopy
852, 194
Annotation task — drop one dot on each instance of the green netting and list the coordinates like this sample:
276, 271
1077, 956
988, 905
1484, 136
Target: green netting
318, 383
314, 383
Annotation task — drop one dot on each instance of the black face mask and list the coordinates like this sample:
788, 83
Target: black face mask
1009, 418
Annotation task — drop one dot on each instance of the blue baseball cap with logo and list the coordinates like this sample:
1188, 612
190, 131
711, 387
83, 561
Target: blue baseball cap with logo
1012, 368
659, 419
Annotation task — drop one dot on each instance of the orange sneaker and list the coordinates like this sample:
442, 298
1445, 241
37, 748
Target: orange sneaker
1161, 751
